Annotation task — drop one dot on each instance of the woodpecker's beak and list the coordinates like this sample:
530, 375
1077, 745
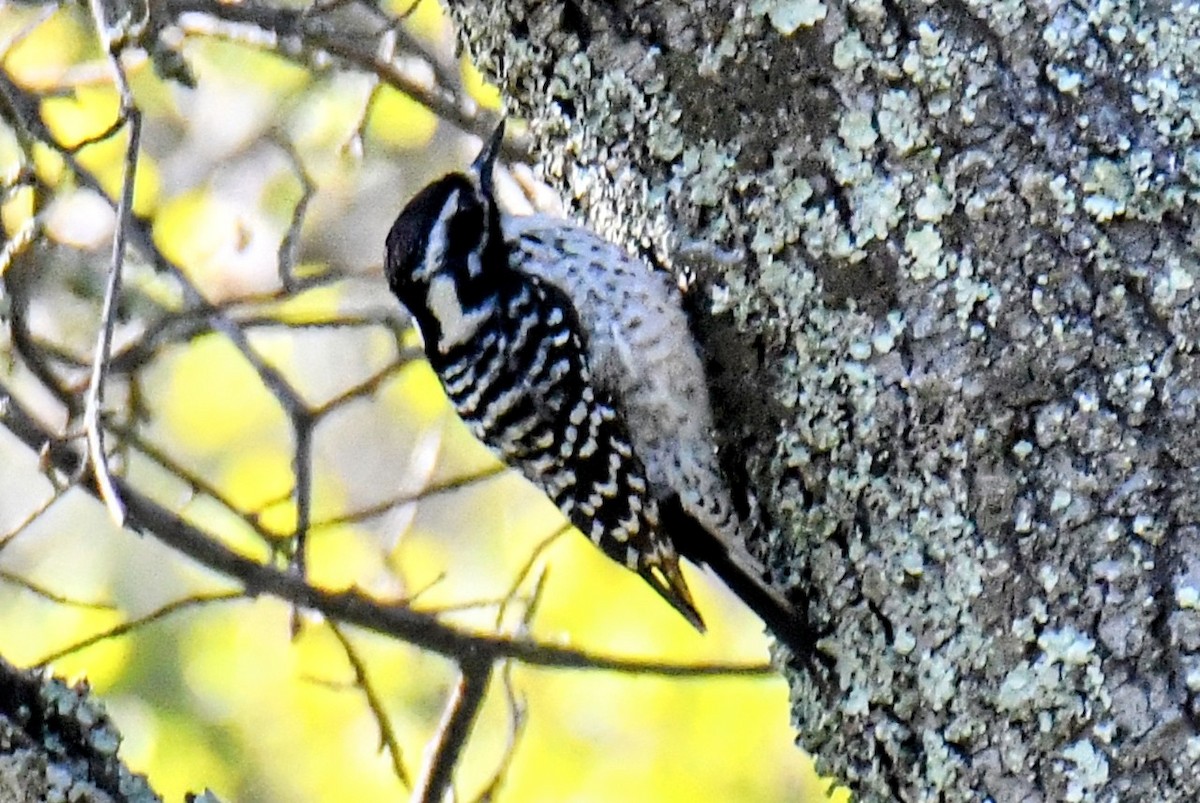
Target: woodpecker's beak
486, 160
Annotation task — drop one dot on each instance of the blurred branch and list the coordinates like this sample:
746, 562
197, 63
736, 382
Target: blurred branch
52, 596
516, 728
362, 679
302, 427
448, 486
368, 386
196, 483
93, 427
531, 607
29, 519
309, 38
353, 607
289, 249
443, 752
169, 609
297, 34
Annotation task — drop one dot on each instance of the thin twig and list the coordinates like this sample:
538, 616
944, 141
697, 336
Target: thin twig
530, 562
354, 143
93, 410
518, 716
367, 387
169, 609
101, 136
353, 607
302, 470
441, 756
387, 734
374, 511
33, 516
52, 596
285, 31
289, 248
197, 484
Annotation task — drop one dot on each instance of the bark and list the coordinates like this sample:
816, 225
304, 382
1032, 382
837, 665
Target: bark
957, 245
57, 743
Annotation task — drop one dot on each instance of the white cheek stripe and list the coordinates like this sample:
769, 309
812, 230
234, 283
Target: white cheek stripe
457, 326
435, 249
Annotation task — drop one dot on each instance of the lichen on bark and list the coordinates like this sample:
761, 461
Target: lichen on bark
58, 744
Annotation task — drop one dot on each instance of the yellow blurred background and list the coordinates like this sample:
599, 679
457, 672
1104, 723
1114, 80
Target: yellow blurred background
220, 695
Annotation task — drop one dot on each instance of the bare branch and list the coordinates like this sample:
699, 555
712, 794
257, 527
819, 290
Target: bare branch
449, 486
398, 620
289, 249
93, 410
33, 516
523, 573
59, 599
518, 716
302, 470
289, 33
368, 385
443, 752
387, 734
195, 482
169, 609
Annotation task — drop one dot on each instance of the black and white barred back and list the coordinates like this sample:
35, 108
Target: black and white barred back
572, 360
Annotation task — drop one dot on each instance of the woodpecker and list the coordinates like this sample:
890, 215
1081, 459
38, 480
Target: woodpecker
573, 361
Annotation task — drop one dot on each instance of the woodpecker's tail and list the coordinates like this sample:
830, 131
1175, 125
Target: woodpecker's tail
666, 578
742, 575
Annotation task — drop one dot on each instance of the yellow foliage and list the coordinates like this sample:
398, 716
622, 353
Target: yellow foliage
329, 118
400, 121
485, 94
341, 557
415, 395
106, 663
176, 771
25, 639
259, 478
424, 18
274, 76
86, 113
90, 112
39, 60
312, 306
214, 398
49, 164
215, 244
17, 211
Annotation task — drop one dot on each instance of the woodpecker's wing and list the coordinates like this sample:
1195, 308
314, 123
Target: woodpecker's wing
596, 477
641, 354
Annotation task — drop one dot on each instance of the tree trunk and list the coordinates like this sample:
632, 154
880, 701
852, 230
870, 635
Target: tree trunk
958, 248
57, 743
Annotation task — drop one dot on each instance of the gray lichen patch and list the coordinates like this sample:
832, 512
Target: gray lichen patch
57, 743
968, 238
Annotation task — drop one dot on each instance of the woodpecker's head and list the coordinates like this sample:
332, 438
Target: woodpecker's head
445, 257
